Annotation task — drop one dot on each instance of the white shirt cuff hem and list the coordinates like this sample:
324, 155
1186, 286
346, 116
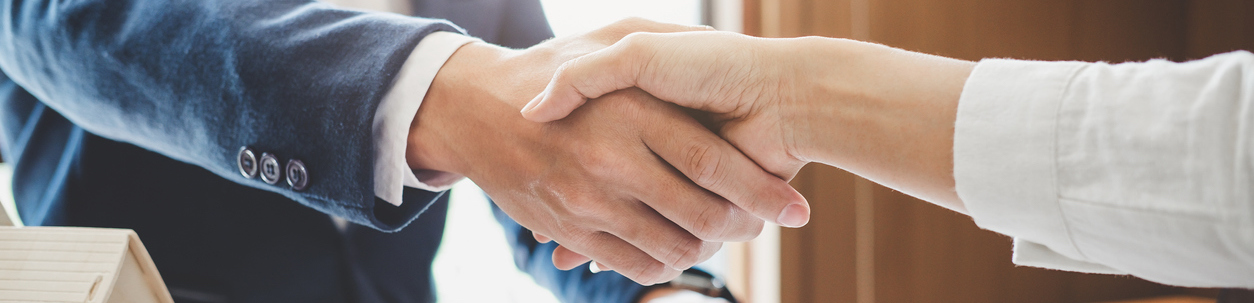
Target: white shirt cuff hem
1027, 253
1004, 150
396, 113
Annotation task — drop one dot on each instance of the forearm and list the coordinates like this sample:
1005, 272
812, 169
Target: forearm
883, 113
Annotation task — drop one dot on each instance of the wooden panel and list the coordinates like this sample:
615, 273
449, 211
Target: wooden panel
753, 18
828, 18
794, 18
963, 29
783, 18
1125, 30
1112, 30
821, 251
1218, 26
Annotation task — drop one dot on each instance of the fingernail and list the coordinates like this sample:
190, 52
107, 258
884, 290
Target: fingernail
595, 267
534, 101
794, 216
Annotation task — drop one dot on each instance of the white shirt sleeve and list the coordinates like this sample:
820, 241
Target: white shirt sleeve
1137, 168
396, 113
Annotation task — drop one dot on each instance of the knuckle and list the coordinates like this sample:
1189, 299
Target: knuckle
712, 223
740, 225
599, 162
634, 40
685, 253
650, 272
578, 210
564, 228
632, 22
631, 38
703, 164
755, 230
562, 74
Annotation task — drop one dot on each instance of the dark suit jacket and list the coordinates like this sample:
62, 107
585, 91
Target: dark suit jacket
130, 113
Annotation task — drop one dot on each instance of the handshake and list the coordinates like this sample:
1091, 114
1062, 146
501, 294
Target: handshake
651, 144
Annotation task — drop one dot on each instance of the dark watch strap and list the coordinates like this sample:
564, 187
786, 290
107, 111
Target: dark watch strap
1235, 295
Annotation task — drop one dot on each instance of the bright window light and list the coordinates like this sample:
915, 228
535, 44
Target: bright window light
576, 16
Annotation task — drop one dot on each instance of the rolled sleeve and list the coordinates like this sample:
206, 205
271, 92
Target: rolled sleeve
1005, 145
396, 112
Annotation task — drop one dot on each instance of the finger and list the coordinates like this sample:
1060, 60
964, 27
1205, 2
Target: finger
540, 238
601, 267
566, 259
626, 259
588, 76
702, 213
569, 259
659, 237
712, 163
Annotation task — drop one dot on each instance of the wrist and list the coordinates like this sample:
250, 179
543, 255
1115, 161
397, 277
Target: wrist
830, 94
883, 113
434, 130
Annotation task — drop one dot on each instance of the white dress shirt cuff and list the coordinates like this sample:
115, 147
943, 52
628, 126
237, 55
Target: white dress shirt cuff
1005, 158
396, 113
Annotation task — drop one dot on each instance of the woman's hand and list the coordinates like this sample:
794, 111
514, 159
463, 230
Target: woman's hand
883, 113
742, 80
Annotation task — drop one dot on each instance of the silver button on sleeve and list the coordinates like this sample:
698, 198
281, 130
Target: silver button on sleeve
270, 170
247, 162
297, 176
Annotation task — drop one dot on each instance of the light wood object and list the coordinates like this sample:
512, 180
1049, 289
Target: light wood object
1170, 299
77, 264
8, 210
867, 243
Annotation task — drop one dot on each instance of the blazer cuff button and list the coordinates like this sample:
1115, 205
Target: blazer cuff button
297, 176
270, 171
247, 162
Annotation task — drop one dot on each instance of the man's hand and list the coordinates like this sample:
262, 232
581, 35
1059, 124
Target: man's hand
634, 184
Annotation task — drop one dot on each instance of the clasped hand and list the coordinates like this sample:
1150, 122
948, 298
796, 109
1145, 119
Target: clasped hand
635, 183
882, 113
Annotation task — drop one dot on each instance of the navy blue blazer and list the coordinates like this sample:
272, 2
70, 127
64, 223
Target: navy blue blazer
131, 113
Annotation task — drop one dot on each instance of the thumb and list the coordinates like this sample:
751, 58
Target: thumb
586, 77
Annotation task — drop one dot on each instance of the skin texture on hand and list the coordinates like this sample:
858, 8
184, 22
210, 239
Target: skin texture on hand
614, 182
883, 113
720, 77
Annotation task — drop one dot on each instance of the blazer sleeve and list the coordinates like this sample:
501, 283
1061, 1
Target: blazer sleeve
197, 80
577, 285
